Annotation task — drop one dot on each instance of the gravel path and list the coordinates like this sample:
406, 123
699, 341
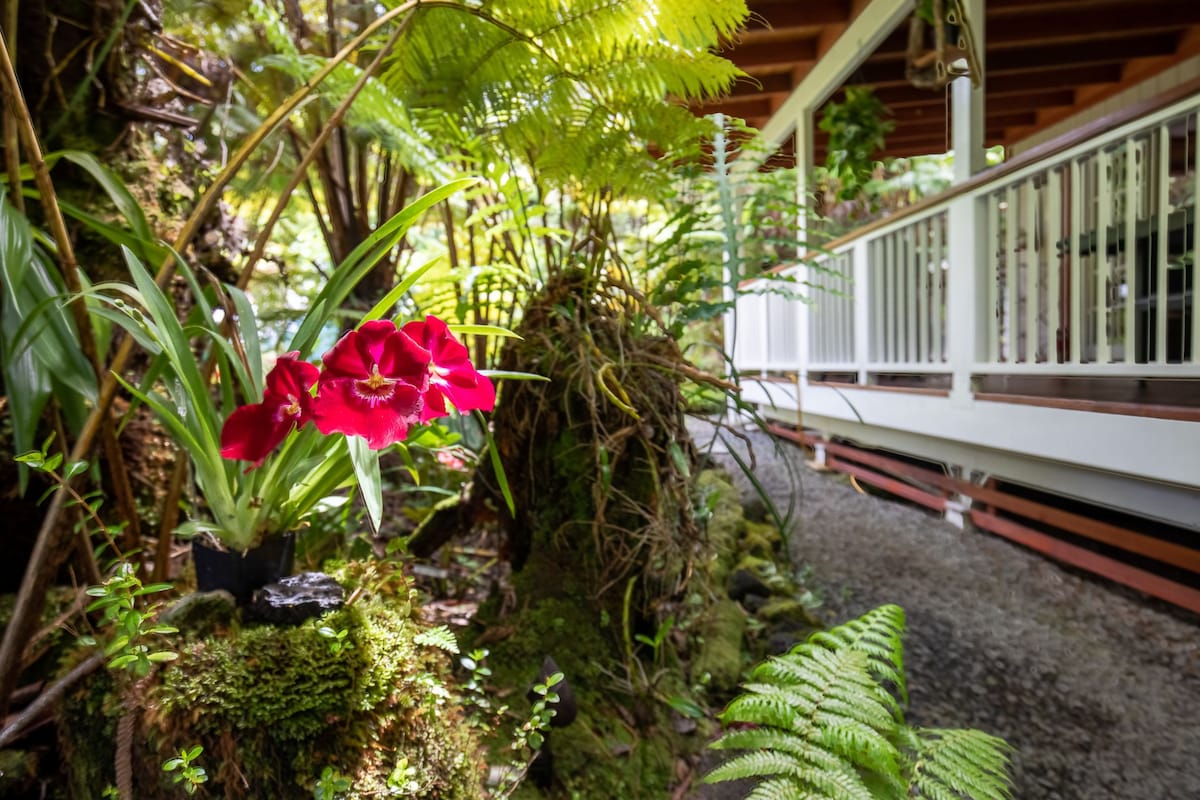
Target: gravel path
1096, 687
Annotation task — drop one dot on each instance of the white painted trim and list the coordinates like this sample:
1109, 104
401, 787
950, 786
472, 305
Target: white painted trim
1173, 504
1143, 447
872, 25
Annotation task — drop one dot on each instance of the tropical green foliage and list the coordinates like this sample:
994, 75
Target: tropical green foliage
828, 722
242, 506
857, 131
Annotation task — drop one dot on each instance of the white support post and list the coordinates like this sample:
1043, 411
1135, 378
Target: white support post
967, 121
966, 295
862, 289
803, 146
966, 328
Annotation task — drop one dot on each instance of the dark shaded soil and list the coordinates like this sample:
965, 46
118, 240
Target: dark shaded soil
1097, 687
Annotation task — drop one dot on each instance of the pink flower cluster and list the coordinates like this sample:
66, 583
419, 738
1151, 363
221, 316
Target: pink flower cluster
374, 383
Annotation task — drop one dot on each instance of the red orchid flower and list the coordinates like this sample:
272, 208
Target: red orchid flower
372, 385
252, 431
452, 376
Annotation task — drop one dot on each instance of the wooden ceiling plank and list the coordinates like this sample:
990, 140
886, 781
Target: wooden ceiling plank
768, 84
788, 51
1111, 51
803, 14
1120, 18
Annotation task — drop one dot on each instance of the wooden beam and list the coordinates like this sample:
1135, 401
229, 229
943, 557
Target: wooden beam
1187, 558
787, 51
790, 14
1143, 581
890, 485
1048, 57
1114, 18
768, 84
758, 106
1001, 8
1065, 77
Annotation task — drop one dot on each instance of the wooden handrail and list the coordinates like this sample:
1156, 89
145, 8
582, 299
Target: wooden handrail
1042, 152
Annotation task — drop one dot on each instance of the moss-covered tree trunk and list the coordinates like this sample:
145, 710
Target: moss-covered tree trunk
597, 458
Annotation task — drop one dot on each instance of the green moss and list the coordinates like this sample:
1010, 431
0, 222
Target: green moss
726, 522
274, 706
785, 609
761, 540
718, 664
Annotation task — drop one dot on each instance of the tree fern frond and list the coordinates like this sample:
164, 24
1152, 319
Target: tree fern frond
828, 725
782, 741
757, 764
968, 763
878, 633
782, 789
839, 782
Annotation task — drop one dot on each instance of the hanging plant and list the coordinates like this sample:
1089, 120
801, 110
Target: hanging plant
857, 131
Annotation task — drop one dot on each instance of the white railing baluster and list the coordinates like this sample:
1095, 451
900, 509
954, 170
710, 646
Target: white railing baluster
848, 304
1163, 206
1195, 315
889, 303
1009, 318
923, 317
1054, 252
910, 295
817, 317
1029, 197
1076, 354
1129, 252
1104, 196
877, 324
994, 250
939, 311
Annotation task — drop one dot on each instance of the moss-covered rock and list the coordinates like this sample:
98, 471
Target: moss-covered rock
274, 707
718, 664
762, 540
726, 522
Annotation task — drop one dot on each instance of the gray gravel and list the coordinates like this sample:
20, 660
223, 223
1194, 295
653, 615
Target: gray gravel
1097, 687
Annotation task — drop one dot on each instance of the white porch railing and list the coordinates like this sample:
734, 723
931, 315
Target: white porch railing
1085, 267
1091, 255
907, 268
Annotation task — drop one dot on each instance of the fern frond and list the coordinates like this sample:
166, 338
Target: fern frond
440, 637
878, 633
840, 781
958, 763
781, 789
828, 726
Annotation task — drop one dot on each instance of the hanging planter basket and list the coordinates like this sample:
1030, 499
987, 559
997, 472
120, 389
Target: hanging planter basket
940, 46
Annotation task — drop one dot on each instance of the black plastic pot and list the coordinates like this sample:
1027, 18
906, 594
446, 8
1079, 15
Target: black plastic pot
241, 573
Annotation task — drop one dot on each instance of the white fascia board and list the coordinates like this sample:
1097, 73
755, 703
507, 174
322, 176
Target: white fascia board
873, 24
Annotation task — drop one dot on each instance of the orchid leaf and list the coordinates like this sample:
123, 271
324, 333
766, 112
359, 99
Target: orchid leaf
247, 327
497, 465
370, 481
501, 374
484, 330
362, 259
393, 297
114, 187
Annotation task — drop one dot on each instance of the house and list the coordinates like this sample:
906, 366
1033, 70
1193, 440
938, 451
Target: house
1022, 350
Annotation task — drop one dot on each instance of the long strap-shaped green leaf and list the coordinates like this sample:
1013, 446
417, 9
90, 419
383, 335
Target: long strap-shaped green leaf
362, 259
